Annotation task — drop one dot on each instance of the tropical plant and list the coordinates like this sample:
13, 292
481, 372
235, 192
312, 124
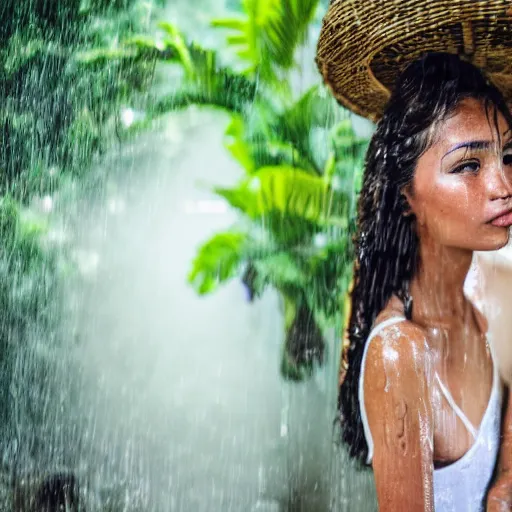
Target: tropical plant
60, 98
297, 240
62, 84
301, 162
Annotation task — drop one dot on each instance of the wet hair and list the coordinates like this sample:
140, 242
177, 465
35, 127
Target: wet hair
386, 245
58, 492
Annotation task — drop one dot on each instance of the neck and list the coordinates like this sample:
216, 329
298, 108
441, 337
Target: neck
437, 289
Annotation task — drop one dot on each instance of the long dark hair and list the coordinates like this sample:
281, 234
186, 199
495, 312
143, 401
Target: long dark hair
386, 244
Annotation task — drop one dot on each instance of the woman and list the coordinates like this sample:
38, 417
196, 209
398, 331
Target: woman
422, 400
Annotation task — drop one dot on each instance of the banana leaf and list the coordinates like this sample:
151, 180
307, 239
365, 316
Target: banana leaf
289, 191
217, 261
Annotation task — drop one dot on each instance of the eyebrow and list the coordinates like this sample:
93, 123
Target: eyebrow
475, 144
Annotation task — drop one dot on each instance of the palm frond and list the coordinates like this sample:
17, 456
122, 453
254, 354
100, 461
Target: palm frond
303, 13
315, 108
205, 81
217, 261
289, 191
254, 146
175, 40
102, 55
236, 144
279, 270
277, 152
229, 92
268, 35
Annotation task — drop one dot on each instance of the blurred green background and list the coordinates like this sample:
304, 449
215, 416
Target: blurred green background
178, 197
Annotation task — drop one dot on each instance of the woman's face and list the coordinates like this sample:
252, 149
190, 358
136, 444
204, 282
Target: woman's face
462, 189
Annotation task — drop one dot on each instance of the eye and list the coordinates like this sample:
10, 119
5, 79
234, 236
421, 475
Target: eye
507, 156
470, 166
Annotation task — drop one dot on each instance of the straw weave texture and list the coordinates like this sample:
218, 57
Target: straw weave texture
364, 44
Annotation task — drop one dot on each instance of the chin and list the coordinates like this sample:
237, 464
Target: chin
497, 242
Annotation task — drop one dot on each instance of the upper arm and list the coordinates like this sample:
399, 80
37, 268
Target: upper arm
400, 419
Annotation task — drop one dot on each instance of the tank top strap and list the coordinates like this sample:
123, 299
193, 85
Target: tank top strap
495, 392
381, 326
456, 409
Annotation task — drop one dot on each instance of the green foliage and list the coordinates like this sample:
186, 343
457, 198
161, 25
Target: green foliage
268, 33
304, 344
217, 261
26, 269
301, 165
28, 295
63, 80
289, 191
204, 80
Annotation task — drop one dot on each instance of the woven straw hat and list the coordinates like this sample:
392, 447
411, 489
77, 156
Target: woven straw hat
365, 44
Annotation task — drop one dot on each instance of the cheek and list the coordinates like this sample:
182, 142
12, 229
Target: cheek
442, 202
448, 211
457, 194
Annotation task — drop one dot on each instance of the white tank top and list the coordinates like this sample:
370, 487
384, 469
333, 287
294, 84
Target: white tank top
462, 485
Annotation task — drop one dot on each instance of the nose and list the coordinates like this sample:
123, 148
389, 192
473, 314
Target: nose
499, 182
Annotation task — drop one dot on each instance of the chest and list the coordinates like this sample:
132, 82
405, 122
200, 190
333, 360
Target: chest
462, 387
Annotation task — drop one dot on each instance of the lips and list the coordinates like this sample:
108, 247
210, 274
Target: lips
503, 221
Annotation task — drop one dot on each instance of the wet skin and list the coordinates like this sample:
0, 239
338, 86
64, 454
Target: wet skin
461, 200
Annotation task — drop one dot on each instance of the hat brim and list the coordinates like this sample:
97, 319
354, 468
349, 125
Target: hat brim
365, 44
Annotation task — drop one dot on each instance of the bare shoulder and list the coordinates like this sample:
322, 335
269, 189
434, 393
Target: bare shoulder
398, 348
397, 393
399, 414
